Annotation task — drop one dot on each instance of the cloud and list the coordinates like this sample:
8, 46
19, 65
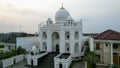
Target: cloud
28, 12
102, 14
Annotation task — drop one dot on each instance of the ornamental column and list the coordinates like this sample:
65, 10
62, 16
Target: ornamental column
72, 42
40, 40
111, 53
62, 39
49, 41
91, 44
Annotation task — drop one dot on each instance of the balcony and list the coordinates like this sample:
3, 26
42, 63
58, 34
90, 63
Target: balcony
98, 50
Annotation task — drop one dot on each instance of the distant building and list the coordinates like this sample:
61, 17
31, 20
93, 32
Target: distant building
107, 47
27, 42
90, 34
11, 36
7, 46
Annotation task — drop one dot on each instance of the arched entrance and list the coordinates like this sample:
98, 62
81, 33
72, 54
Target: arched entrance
60, 65
31, 62
57, 48
44, 47
55, 42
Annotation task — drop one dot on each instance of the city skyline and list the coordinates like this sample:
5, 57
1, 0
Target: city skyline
25, 15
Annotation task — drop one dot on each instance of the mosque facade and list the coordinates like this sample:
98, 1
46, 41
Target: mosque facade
64, 36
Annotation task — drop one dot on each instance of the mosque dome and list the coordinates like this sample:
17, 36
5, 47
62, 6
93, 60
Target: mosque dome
61, 15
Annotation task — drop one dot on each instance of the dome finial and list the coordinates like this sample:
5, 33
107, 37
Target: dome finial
62, 6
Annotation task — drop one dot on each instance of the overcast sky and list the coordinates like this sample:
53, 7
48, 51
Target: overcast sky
97, 15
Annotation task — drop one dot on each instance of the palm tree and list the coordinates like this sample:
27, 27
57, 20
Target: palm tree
90, 58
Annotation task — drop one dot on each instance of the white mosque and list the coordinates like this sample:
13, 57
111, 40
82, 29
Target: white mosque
63, 36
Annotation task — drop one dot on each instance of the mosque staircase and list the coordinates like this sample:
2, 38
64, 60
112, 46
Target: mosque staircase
47, 61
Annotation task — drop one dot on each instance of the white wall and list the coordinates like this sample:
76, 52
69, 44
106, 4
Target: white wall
7, 62
19, 58
10, 61
90, 40
27, 42
65, 62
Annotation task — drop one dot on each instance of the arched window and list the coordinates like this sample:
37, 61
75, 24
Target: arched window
44, 35
67, 48
44, 46
76, 49
55, 35
76, 35
67, 36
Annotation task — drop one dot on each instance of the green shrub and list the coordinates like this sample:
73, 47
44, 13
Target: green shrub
2, 46
18, 51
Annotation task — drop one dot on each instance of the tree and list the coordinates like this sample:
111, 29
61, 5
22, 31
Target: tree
23, 34
21, 50
91, 60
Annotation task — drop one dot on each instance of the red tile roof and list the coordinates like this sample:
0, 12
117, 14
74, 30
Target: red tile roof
108, 35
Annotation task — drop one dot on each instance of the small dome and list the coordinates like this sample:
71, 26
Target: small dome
70, 18
33, 48
61, 15
49, 19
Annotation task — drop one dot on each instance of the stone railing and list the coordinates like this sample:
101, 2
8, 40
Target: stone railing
12, 60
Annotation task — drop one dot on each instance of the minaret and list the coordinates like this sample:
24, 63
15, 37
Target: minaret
62, 6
